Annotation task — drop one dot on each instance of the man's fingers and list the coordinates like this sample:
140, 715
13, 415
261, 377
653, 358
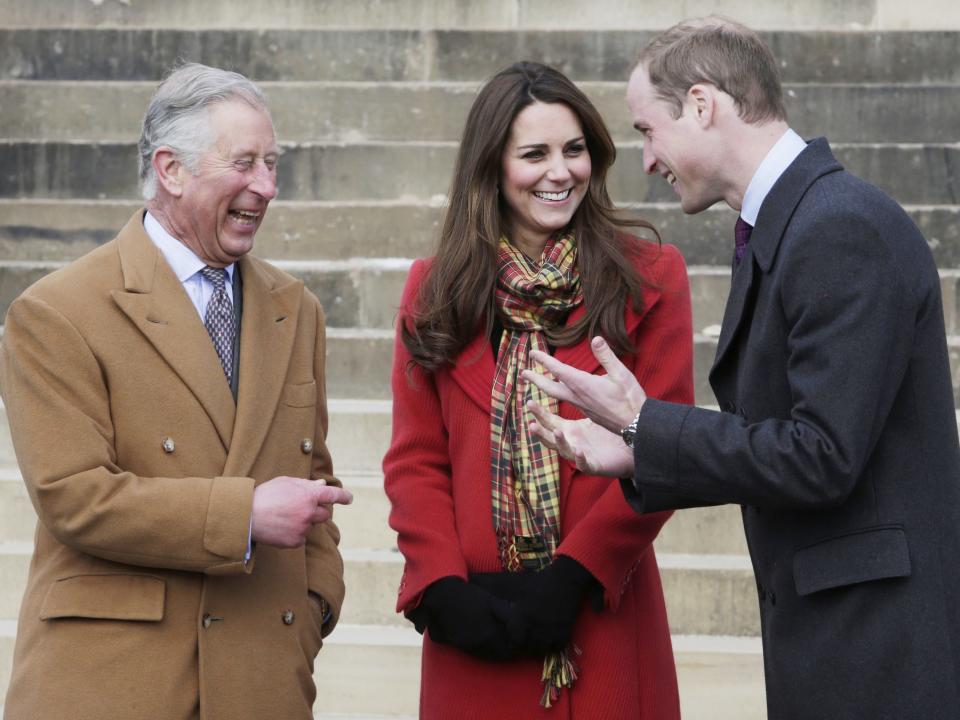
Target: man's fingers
321, 514
565, 374
616, 370
328, 494
542, 434
546, 418
550, 387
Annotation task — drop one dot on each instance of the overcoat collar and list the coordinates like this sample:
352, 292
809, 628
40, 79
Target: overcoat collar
156, 303
775, 213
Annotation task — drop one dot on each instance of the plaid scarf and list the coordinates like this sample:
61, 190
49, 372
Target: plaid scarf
529, 298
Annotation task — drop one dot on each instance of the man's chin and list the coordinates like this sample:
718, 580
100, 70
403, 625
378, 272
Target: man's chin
692, 206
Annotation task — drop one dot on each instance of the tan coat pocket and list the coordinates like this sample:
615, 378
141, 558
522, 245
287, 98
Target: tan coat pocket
106, 597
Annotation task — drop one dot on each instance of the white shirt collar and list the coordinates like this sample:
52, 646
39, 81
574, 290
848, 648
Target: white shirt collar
783, 153
182, 259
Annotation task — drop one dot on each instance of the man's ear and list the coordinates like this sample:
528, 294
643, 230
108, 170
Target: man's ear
701, 102
169, 170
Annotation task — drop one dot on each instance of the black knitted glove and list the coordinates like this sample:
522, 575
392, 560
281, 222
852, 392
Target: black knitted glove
549, 600
471, 619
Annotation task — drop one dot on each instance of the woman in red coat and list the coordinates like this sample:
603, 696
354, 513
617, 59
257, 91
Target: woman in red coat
537, 590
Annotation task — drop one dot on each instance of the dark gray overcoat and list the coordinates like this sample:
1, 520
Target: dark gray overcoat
838, 437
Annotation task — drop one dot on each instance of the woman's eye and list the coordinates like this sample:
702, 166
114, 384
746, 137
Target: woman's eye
533, 155
575, 149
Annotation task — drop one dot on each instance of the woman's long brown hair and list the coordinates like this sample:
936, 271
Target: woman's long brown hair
456, 298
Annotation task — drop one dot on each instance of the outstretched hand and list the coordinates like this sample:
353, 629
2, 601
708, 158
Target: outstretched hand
612, 400
593, 449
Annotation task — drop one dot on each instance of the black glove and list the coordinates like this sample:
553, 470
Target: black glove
548, 599
471, 619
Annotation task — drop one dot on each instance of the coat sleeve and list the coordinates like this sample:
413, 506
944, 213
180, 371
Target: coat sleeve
849, 319
611, 537
57, 402
417, 471
324, 563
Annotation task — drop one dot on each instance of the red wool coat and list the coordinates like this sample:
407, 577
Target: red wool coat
437, 477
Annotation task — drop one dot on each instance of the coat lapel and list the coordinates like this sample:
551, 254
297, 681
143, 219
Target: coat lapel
814, 162
157, 304
267, 330
734, 312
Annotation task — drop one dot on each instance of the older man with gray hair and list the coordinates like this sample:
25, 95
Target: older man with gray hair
166, 401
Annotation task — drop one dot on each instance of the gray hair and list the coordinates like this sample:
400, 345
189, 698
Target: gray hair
177, 116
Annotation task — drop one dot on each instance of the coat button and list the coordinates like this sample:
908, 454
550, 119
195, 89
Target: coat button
209, 619
168, 445
306, 446
288, 617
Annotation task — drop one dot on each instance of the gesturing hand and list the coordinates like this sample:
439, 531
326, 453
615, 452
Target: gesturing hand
285, 508
612, 400
593, 449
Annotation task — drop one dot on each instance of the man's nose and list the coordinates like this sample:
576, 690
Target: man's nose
264, 182
649, 159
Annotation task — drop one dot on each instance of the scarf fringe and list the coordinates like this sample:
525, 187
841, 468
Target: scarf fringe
559, 672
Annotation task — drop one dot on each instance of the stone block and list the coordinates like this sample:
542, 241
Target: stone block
421, 172
359, 434
14, 563
363, 525
500, 14
17, 516
711, 530
416, 112
57, 230
412, 55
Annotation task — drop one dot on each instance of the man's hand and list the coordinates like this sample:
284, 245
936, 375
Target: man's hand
285, 508
612, 400
591, 448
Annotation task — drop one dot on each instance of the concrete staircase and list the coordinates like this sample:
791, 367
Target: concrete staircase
369, 99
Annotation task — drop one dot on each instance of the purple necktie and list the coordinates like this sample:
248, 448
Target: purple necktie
742, 237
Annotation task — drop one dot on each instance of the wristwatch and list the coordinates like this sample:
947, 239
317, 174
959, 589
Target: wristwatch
630, 431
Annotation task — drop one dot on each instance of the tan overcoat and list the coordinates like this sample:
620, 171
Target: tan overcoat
141, 468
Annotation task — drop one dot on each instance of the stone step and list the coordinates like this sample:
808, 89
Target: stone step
55, 229
413, 55
911, 173
491, 14
705, 594
373, 673
365, 294
17, 516
14, 564
374, 112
